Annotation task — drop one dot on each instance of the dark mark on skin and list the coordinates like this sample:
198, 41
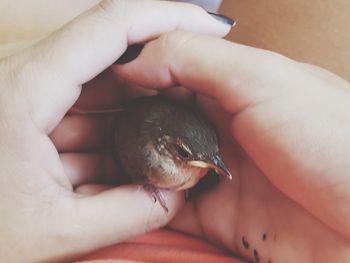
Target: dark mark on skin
256, 255
264, 237
269, 261
245, 243
275, 237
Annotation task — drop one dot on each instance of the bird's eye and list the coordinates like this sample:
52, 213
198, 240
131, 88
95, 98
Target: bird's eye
182, 152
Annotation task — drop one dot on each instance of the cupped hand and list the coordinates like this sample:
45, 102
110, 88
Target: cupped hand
49, 208
284, 129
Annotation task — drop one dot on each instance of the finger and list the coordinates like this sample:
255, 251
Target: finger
235, 75
326, 75
92, 189
77, 133
115, 215
51, 73
90, 168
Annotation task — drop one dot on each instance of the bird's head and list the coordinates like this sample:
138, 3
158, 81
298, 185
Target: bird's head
182, 144
194, 153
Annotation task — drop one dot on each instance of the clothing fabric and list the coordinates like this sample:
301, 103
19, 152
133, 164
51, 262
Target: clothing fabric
162, 246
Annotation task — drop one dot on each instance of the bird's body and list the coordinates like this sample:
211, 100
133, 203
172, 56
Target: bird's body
161, 143
141, 133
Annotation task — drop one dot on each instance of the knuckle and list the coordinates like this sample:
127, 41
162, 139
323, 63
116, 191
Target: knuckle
107, 5
176, 40
113, 7
114, 12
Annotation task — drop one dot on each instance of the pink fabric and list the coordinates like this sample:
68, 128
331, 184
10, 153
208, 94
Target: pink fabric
159, 247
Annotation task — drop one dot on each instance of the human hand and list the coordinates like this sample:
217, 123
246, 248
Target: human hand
289, 201
49, 209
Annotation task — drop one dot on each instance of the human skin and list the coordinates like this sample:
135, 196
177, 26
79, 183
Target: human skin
49, 212
289, 199
292, 233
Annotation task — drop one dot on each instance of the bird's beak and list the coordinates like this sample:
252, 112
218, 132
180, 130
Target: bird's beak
220, 168
216, 164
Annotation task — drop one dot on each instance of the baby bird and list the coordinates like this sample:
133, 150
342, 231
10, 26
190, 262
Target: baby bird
160, 143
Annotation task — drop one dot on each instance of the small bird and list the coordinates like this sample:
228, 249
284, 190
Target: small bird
163, 144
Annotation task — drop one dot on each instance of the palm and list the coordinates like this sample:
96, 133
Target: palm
250, 216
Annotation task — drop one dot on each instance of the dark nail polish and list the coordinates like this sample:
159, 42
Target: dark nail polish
130, 54
224, 19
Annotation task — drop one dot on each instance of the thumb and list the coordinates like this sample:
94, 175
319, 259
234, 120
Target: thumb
113, 216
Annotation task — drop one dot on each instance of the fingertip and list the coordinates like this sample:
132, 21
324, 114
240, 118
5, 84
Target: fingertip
122, 212
224, 19
207, 22
97, 216
157, 77
91, 189
222, 27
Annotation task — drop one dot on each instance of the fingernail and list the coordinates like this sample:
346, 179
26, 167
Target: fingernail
130, 54
224, 19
